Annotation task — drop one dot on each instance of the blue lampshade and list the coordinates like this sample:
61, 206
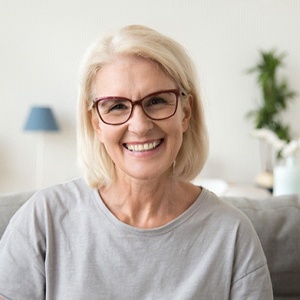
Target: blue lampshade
41, 119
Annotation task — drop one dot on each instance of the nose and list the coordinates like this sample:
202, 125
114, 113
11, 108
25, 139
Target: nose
139, 122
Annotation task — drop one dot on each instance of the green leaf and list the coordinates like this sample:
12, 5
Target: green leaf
275, 92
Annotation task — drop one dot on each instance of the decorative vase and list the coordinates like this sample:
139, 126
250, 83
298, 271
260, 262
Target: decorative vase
287, 177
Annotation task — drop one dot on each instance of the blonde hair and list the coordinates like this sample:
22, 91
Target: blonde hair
173, 59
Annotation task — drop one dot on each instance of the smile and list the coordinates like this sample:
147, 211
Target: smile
143, 147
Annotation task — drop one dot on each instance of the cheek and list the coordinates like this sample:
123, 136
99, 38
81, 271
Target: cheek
109, 136
176, 133
105, 133
104, 137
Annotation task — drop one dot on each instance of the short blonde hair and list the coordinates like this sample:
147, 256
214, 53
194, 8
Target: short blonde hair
144, 42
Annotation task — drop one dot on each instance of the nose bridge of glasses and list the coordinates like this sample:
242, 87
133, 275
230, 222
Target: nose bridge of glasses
138, 103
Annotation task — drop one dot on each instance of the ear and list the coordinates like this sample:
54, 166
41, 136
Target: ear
96, 123
187, 113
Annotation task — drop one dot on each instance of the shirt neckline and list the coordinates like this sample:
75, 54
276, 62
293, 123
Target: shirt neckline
187, 214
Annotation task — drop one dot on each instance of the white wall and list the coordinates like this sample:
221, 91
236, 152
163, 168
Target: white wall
42, 43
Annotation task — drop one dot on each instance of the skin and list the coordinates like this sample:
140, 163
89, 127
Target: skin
144, 195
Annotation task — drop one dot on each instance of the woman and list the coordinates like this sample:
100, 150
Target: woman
136, 228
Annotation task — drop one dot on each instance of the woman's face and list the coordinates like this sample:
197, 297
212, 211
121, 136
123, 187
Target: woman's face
134, 78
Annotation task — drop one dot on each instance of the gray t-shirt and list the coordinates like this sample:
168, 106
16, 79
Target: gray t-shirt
65, 244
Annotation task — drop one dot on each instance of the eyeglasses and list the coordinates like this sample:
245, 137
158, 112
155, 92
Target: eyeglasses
156, 106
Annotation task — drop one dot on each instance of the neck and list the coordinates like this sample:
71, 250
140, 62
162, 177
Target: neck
147, 204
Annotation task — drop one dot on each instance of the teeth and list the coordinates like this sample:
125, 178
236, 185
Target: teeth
143, 147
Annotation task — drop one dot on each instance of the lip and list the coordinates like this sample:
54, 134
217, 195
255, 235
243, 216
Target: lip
142, 147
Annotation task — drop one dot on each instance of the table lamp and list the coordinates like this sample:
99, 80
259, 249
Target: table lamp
40, 120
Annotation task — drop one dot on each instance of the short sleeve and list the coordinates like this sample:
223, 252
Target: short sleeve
254, 285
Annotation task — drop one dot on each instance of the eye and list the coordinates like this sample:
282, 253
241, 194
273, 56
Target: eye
156, 100
114, 105
119, 106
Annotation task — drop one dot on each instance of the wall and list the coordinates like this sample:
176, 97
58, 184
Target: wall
42, 43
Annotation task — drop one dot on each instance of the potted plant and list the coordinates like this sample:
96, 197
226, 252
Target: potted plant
275, 96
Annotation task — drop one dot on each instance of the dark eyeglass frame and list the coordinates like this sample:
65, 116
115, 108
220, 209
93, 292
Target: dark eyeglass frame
96, 101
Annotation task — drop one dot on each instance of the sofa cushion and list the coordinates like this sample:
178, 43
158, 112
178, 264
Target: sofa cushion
277, 223
9, 204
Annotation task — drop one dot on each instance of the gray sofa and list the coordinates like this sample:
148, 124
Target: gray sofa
276, 220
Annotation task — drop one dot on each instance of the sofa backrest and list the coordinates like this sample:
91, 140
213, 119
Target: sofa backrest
277, 223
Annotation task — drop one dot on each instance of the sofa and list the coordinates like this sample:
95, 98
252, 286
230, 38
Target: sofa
275, 219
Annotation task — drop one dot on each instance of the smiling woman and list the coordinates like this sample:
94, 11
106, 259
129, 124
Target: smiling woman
135, 227
166, 57
139, 125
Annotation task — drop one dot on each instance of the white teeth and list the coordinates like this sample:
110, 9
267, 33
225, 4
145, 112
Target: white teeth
143, 147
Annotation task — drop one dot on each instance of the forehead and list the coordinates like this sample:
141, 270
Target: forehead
131, 76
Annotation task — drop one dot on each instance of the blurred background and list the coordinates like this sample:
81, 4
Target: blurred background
42, 43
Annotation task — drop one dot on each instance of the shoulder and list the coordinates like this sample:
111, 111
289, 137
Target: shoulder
228, 222
54, 202
234, 228
222, 211
69, 189
71, 193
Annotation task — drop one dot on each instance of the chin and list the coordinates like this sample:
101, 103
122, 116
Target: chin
142, 174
